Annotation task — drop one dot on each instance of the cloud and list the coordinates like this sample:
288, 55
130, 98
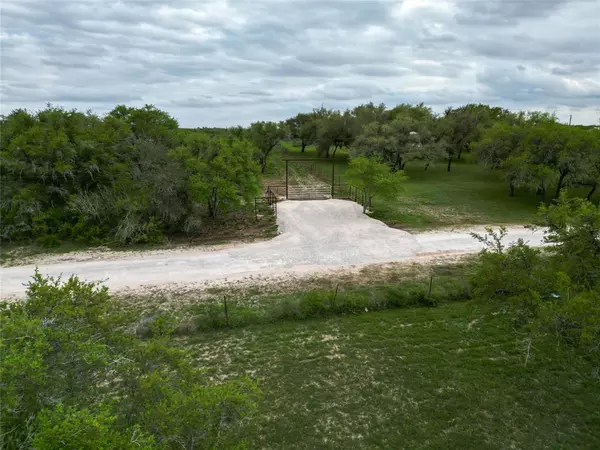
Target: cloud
219, 63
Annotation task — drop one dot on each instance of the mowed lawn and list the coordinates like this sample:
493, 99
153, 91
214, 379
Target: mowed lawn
468, 195
446, 377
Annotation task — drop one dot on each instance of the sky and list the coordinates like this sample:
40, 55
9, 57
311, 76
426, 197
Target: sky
225, 63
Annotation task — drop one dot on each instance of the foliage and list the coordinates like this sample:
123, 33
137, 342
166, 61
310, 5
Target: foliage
265, 136
221, 173
515, 275
335, 130
210, 314
558, 287
303, 127
374, 178
463, 125
401, 140
573, 235
124, 178
69, 364
536, 152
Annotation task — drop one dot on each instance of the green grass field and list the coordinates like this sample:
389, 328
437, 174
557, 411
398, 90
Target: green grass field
468, 195
447, 377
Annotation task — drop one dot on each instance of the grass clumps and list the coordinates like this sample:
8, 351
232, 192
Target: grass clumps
236, 312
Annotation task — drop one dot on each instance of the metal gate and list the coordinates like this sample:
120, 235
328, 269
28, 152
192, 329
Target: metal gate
309, 179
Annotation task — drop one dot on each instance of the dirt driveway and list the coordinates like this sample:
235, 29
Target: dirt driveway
315, 235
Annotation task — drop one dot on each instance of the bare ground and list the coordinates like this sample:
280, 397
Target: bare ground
317, 237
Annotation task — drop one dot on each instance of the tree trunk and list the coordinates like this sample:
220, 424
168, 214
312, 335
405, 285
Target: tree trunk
427, 166
303, 146
561, 179
589, 196
459, 153
449, 163
263, 165
212, 203
334, 150
541, 191
398, 162
511, 190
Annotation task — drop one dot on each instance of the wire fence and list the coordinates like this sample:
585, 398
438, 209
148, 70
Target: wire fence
267, 204
349, 192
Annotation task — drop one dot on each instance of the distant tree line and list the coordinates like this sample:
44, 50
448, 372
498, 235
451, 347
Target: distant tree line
529, 149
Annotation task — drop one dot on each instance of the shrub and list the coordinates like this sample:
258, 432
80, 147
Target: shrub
576, 320
517, 275
66, 363
314, 303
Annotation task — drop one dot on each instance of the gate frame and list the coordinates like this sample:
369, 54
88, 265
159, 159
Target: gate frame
332, 161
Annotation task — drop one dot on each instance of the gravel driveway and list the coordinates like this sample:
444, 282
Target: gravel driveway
314, 235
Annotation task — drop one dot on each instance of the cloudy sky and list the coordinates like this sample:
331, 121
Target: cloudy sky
232, 62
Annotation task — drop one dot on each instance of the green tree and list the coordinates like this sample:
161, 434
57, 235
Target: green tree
73, 376
265, 136
374, 178
147, 122
464, 125
335, 130
303, 127
573, 235
222, 173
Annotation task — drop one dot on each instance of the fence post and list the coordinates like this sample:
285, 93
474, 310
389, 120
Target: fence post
286, 179
225, 307
332, 178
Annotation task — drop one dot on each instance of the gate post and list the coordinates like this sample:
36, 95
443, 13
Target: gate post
286, 179
332, 177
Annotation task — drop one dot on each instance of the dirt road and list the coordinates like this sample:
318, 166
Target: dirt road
315, 235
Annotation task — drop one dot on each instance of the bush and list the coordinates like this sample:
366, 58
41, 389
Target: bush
576, 320
314, 304
66, 363
518, 275
70, 428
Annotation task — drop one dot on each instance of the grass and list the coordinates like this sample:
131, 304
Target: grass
468, 195
446, 377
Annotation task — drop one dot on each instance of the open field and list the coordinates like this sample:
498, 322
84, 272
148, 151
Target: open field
447, 377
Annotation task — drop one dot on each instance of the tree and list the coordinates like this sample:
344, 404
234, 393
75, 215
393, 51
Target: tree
147, 122
539, 152
463, 125
374, 178
222, 172
303, 127
399, 141
265, 136
335, 130
72, 376
366, 114
573, 235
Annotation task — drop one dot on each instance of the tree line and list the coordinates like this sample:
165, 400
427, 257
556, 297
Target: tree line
528, 149
134, 176
131, 176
